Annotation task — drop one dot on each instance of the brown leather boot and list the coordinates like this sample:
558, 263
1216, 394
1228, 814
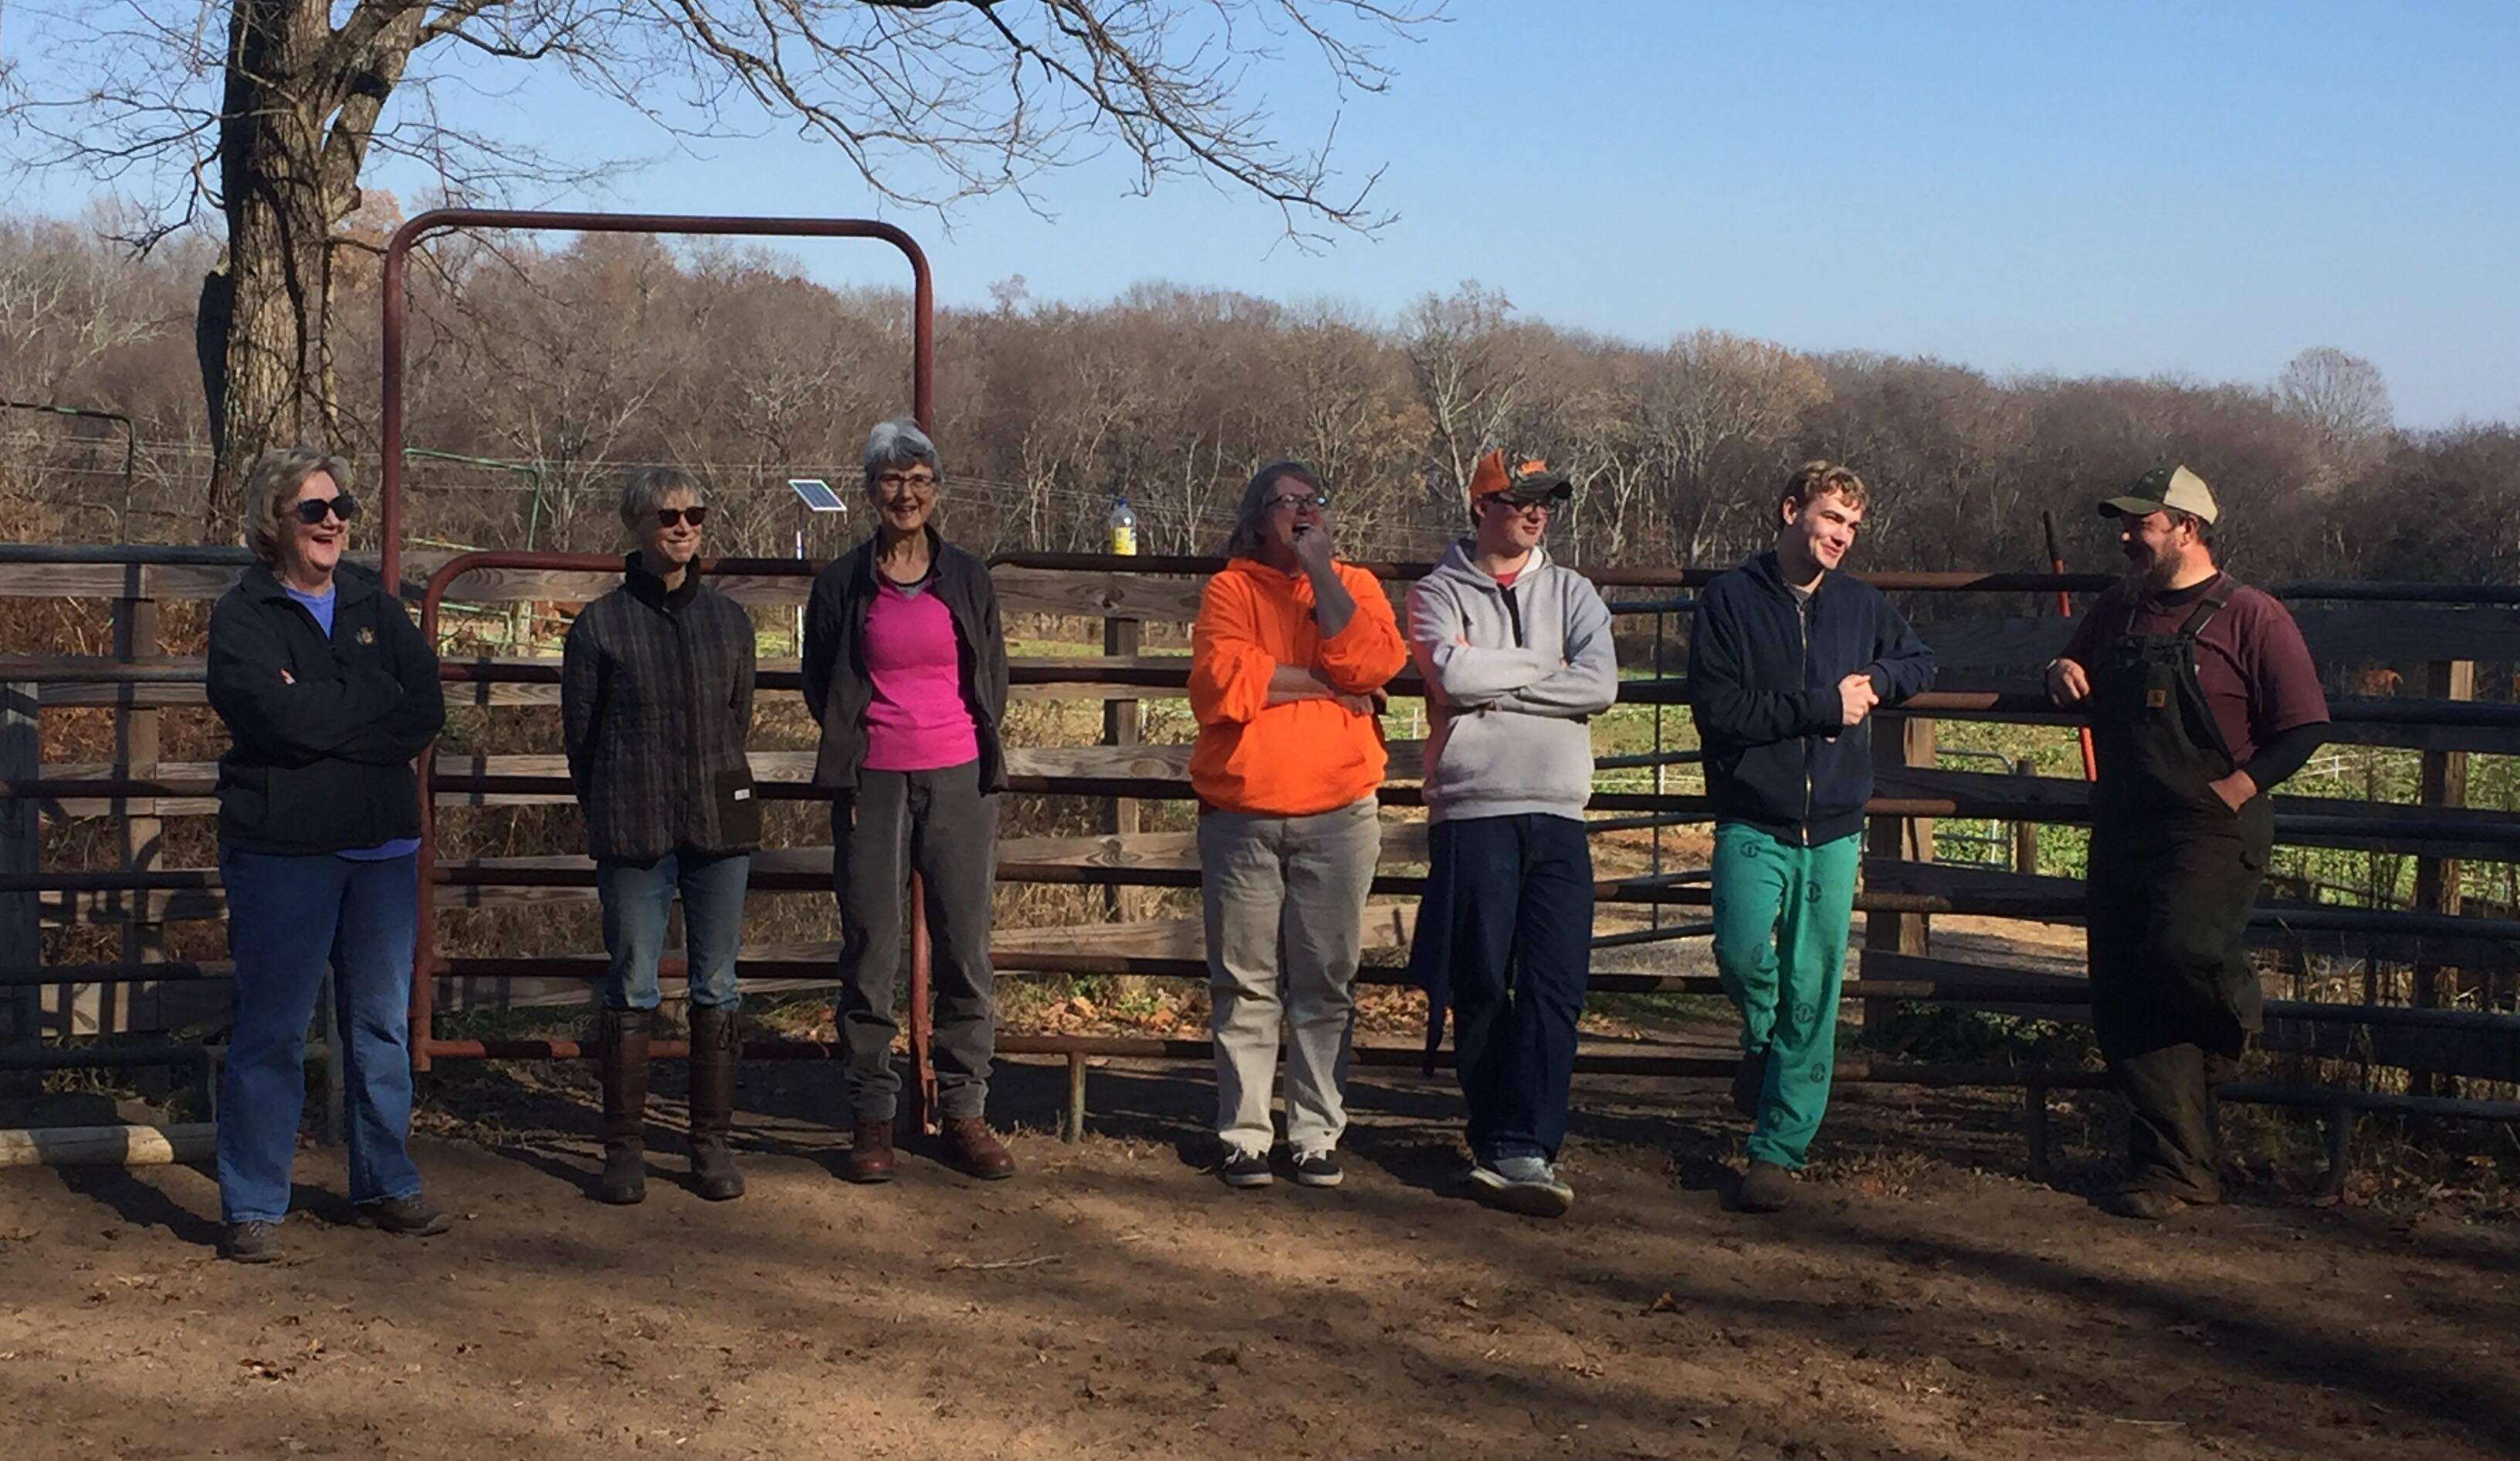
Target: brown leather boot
621, 1056
975, 1151
871, 1158
717, 1041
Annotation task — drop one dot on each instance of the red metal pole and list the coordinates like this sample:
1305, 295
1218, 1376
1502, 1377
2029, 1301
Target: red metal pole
2065, 610
922, 407
923, 1067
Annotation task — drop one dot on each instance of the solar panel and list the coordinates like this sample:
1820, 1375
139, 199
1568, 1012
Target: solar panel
817, 494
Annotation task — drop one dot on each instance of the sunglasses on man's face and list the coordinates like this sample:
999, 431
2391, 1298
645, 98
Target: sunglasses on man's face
675, 517
312, 510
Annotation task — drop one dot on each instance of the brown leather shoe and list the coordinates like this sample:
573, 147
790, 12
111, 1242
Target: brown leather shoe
871, 1157
975, 1151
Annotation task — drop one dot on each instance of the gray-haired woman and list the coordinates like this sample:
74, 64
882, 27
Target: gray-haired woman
655, 702
328, 691
905, 666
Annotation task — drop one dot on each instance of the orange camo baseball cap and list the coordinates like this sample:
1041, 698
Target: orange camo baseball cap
1531, 482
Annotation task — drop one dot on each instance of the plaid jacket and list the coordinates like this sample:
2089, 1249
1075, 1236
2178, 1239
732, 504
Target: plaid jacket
656, 699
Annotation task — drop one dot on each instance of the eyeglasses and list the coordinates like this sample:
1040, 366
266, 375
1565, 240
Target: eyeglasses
1316, 499
916, 482
312, 510
1527, 509
675, 517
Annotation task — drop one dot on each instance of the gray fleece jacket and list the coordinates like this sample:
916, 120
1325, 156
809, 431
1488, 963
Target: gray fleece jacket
1514, 676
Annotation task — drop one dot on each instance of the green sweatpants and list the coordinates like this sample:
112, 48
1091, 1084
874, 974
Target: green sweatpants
1781, 921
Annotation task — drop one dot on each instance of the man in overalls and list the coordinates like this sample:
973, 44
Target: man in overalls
2202, 698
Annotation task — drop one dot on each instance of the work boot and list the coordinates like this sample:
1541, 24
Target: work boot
1748, 1081
250, 1241
413, 1216
871, 1158
973, 1150
621, 1057
1766, 1188
717, 1041
2146, 1204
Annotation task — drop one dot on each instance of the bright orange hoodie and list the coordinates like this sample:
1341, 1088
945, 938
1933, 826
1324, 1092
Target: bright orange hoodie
1305, 756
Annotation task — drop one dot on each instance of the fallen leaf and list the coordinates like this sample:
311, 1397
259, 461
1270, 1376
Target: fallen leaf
1663, 1304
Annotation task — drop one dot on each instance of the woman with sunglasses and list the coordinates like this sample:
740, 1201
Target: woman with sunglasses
329, 691
655, 702
905, 666
1288, 663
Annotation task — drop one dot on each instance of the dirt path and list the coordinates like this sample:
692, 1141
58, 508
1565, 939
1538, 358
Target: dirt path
1922, 1301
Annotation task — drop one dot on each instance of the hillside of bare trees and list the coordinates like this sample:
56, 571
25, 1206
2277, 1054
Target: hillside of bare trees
551, 365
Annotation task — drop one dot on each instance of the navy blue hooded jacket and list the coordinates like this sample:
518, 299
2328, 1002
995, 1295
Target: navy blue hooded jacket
1763, 686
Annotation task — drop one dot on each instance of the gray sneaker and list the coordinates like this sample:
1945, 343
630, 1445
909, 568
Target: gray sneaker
1318, 1168
1529, 1185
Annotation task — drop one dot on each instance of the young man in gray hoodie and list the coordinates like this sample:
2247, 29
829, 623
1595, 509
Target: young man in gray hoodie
1516, 654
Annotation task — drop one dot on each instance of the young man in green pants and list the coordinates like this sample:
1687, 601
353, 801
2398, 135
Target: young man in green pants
1787, 660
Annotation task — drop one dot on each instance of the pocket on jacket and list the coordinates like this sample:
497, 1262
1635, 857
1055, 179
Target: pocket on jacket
739, 810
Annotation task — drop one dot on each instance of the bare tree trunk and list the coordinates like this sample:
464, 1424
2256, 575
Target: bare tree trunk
285, 181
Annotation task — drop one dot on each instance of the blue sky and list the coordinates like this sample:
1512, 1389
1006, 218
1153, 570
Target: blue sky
2191, 189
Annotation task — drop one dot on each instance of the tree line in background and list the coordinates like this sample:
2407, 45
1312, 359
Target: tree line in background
552, 366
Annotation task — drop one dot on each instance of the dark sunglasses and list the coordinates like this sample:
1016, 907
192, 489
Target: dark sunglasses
670, 516
311, 509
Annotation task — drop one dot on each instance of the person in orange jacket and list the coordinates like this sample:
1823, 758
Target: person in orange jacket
1288, 665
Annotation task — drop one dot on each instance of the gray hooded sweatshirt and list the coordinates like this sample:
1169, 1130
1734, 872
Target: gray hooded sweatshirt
1509, 708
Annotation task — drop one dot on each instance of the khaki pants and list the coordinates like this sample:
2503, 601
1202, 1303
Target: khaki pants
1285, 900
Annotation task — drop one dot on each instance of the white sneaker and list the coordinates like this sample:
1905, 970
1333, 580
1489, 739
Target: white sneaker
1529, 1185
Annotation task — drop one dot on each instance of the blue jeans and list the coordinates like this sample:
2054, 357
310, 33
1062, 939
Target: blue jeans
637, 896
1504, 937
290, 919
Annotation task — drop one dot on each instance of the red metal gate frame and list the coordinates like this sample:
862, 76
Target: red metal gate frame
424, 1043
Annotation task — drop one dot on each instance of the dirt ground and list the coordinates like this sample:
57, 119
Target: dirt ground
1923, 1299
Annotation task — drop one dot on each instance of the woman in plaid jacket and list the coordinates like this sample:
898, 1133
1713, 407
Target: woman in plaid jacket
656, 702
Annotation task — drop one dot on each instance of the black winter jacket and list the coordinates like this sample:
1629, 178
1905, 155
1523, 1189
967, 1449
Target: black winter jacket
1763, 686
656, 702
838, 688
320, 761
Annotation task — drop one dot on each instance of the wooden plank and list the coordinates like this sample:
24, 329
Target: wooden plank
2432, 830
1945, 880
2336, 636
1403, 843
1131, 596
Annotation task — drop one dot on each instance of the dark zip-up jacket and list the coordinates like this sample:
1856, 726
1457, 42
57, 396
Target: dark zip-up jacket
656, 700
838, 688
320, 761
1763, 677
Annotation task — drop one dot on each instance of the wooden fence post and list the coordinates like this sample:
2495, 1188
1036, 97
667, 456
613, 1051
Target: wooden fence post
1123, 724
2437, 890
1897, 741
142, 833
20, 944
